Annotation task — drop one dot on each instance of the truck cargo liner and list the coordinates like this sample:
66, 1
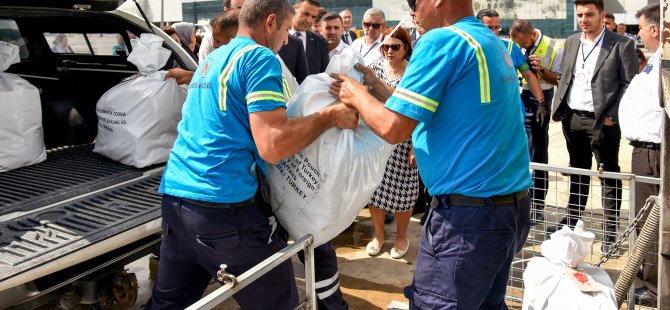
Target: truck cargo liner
66, 173
43, 236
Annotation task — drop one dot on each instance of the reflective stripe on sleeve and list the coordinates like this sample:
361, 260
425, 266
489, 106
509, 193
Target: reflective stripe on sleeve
287, 88
264, 95
227, 72
416, 99
484, 79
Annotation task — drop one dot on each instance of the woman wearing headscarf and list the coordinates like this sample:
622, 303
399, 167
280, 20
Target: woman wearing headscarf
186, 33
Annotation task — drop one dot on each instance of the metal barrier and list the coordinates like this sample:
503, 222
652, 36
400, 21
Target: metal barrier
549, 211
237, 283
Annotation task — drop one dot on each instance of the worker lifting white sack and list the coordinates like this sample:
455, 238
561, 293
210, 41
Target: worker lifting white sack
560, 279
137, 119
321, 190
21, 133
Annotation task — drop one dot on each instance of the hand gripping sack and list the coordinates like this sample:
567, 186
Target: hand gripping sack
21, 133
321, 190
560, 280
137, 119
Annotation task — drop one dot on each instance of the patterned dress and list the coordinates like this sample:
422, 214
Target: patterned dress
400, 186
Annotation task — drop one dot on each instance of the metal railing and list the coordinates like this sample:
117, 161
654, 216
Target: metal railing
234, 284
549, 211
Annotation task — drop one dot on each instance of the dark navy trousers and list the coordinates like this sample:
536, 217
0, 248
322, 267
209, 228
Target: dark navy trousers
197, 240
465, 254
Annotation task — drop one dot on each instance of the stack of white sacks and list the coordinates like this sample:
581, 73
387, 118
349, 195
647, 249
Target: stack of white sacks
321, 189
137, 119
560, 279
21, 133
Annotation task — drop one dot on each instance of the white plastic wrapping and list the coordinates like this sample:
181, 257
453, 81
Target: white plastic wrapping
561, 281
321, 189
21, 133
137, 119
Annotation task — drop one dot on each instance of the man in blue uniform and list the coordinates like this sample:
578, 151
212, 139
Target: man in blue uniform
459, 100
234, 119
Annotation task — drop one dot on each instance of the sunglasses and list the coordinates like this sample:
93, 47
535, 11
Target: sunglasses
494, 28
394, 47
373, 25
412, 4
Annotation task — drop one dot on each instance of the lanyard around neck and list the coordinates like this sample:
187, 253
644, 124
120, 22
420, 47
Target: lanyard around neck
370, 49
584, 58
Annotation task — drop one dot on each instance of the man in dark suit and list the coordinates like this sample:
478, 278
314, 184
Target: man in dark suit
597, 67
315, 46
348, 36
293, 55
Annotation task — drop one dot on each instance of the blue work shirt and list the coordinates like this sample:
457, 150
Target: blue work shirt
462, 88
214, 154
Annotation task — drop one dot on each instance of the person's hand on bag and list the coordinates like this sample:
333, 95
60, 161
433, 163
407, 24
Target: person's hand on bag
411, 159
348, 90
344, 117
182, 76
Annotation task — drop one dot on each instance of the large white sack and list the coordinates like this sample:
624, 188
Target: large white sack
548, 286
137, 119
561, 281
321, 189
21, 133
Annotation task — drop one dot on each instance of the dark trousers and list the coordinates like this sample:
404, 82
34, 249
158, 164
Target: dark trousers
538, 145
327, 286
198, 239
465, 254
582, 141
646, 162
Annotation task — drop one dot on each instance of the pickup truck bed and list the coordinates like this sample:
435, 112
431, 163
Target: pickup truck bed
83, 199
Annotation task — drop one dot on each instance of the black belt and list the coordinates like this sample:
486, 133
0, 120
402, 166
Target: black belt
584, 113
646, 145
220, 205
466, 201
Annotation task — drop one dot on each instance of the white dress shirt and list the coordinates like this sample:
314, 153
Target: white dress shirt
338, 50
371, 53
580, 96
302, 36
640, 112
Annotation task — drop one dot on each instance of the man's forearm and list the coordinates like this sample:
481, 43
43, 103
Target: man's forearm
550, 76
533, 84
389, 125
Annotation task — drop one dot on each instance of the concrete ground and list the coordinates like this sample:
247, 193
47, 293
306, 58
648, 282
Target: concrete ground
375, 282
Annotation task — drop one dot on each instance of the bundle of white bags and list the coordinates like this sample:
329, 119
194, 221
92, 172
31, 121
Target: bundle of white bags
560, 279
137, 119
320, 190
21, 133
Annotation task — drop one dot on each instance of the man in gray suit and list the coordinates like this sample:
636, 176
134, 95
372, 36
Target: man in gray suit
597, 67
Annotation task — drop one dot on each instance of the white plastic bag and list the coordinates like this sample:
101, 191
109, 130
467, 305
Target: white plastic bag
21, 133
321, 189
561, 281
137, 119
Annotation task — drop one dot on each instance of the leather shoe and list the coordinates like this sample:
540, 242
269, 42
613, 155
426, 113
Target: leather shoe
374, 247
644, 298
565, 221
398, 253
388, 218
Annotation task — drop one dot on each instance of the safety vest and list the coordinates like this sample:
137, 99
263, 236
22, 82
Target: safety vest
546, 51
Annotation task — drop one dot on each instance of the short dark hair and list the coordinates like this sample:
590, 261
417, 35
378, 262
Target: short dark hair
225, 20
651, 12
600, 5
169, 30
312, 2
254, 12
522, 26
226, 4
610, 16
331, 16
322, 12
487, 13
